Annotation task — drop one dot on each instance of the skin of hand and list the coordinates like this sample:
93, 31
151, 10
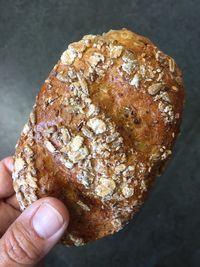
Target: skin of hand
25, 238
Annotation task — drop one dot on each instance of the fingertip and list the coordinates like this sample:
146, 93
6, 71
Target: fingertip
34, 233
56, 204
8, 162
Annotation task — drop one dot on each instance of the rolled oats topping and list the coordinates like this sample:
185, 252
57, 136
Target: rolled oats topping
19, 165
115, 50
95, 59
32, 118
171, 65
117, 224
155, 88
76, 240
112, 137
83, 205
167, 111
50, 147
76, 143
131, 168
63, 77
104, 123
97, 125
106, 187
80, 46
68, 56
163, 96
26, 129
135, 80
120, 168
127, 191
76, 156
166, 154
83, 84
86, 132
84, 178
89, 37
68, 164
24, 174
129, 62
65, 135
93, 110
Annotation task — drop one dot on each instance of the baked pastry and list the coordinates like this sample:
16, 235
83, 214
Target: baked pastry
103, 126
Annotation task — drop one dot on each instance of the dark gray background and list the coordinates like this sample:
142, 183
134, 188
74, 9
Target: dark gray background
166, 233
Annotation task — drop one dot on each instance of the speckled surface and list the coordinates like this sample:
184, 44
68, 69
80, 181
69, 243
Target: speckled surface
166, 232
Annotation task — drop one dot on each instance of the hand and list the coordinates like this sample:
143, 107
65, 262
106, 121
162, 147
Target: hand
26, 238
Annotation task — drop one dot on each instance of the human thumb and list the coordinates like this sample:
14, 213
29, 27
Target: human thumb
34, 233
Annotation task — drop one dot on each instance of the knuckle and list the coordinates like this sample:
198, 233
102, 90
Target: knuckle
19, 247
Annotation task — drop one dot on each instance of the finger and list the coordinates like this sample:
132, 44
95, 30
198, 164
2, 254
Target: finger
9, 163
6, 184
8, 215
34, 233
12, 201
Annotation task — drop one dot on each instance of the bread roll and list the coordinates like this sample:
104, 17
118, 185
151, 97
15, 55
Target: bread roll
102, 127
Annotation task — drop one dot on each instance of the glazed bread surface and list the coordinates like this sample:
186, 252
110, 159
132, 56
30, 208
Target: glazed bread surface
103, 126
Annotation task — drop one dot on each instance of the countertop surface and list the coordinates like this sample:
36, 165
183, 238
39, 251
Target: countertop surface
166, 232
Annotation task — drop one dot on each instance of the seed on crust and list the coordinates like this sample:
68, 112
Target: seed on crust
171, 64
76, 156
129, 62
68, 56
95, 59
155, 88
76, 143
115, 51
127, 191
50, 146
19, 165
87, 132
97, 125
135, 80
120, 168
106, 187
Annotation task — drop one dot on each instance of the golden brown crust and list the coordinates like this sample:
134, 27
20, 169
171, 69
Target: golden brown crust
102, 128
